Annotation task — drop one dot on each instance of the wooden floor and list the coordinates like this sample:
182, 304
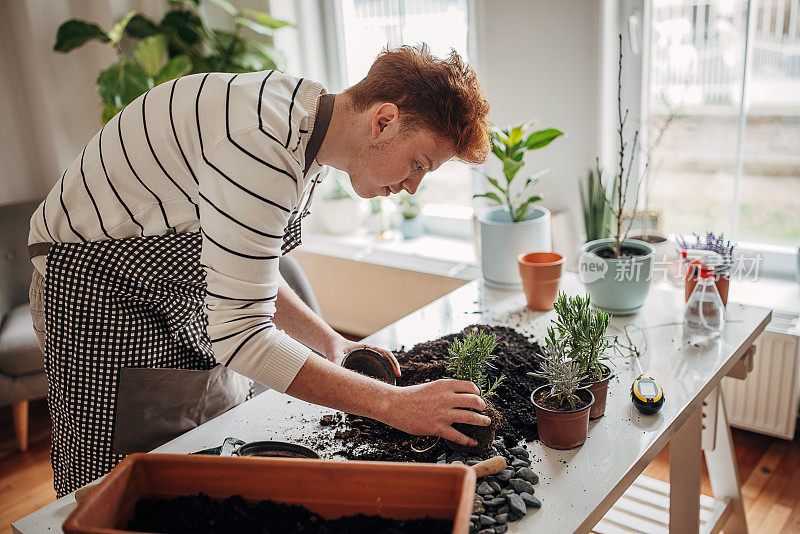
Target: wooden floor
769, 470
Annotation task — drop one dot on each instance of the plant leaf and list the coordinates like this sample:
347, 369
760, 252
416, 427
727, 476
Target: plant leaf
255, 26
511, 168
140, 27
182, 29
175, 68
75, 33
276, 58
265, 19
515, 135
108, 112
494, 183
122, 82
542, 138
492, 196
227, 6
115, 34
150, 54
522, 210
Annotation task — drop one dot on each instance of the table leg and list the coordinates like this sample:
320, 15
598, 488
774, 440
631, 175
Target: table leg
723, 473
684, 476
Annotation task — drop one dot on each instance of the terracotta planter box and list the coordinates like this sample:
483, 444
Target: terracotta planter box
329, 488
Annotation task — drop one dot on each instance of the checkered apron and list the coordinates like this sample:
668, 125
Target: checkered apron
110, 305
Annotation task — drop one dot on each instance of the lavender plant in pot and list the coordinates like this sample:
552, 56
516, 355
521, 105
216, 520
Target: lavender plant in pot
470, 358
515, 225
617, 271
716, 247
562, 405
584, 331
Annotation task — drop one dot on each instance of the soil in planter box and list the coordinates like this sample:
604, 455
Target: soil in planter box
625, 252
551, 403
366, 439
200, 514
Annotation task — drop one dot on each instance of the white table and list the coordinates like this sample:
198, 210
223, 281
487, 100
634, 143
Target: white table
580, 486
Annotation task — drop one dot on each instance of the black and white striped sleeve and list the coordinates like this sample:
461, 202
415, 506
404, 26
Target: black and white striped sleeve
247, 190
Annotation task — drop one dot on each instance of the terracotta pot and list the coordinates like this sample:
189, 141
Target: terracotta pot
327, 487
484, 435
541, 274
563, 430
722, 283
599, 390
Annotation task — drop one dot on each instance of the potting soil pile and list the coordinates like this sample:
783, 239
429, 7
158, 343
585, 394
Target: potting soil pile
366, 439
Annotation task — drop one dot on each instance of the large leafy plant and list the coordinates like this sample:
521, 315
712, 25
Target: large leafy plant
150, 53
470, 358
509, 146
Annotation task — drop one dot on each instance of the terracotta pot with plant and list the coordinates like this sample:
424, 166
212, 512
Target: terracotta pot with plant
584, 331
469, 359
562, 406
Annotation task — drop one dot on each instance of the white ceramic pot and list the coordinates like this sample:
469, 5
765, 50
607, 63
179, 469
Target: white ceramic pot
341, 216
502, 241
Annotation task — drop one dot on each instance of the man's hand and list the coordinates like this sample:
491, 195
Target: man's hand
430, 409
338, 347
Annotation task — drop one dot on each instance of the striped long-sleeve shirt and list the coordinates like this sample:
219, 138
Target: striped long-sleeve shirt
220, 153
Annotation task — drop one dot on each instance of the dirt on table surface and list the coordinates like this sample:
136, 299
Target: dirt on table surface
200, 514
366, 439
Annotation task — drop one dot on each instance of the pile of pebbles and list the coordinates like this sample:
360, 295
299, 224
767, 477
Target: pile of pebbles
504, 497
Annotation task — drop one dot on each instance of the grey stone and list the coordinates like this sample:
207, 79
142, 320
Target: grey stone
477, 507
487, 531
498, 444
503, 509
526, 473
501, 529
530, 500
495, 486
497, 501
472, 529
501, 518
455, 457
519, 452
519, 462
507, 491
487, 521
516, 504
505, 475
442, 459
485, 489
520, 485
473, 518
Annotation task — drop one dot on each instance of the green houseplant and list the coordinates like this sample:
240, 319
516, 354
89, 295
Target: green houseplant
410, 206
515, 224
562, 405
617, 270
583, 330
470, 358
182, 42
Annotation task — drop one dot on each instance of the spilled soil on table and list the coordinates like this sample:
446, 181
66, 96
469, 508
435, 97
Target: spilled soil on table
366, 439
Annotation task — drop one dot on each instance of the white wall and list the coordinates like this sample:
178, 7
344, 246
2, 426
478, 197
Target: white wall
539, 59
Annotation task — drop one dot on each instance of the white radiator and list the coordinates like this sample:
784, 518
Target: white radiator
767, 400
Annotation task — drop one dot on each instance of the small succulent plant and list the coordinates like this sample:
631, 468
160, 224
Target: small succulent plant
563, 374
469, 359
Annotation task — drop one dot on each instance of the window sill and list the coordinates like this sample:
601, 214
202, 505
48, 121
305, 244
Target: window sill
436, 255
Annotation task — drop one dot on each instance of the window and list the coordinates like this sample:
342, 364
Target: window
727, 72
368, 26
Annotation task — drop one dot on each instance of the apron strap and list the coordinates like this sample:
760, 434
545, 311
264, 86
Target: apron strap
324, 113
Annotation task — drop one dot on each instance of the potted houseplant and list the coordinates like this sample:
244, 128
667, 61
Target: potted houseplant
617, 270
412, 224
339, 209
183, 42
584, 331
516, 224
562, 406
469, 359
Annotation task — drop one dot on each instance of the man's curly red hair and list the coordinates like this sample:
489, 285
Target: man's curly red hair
440, 95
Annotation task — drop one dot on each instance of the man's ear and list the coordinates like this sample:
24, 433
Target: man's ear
385, 120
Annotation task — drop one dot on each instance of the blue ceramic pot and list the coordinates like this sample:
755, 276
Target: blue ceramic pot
617, 286
411, 228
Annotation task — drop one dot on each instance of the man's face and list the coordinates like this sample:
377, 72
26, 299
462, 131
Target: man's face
396, 159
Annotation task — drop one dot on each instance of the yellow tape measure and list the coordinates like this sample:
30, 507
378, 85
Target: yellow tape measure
647, 395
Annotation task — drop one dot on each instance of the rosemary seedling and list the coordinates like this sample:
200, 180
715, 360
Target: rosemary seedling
563, 374
584, 332
469, 359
